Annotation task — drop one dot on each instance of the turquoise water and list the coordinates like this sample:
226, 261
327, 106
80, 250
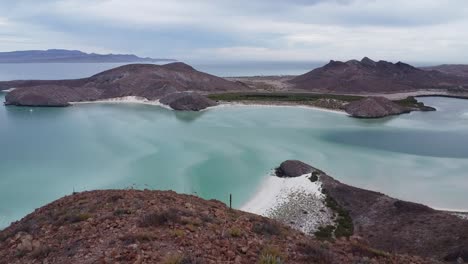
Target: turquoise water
46, 153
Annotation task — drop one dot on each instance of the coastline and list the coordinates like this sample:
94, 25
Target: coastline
297, 202
7, 90
141, 100
275, 104
125, 100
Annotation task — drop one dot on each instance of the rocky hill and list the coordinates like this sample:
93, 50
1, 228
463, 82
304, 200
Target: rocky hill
368, 76
460, 70
147, 81
375, 107
130, 226
387, 223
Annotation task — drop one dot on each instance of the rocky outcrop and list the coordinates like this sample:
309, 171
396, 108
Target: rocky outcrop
187, 101
368, 76
394, 225
374, 107
148, 81
131, 226
42, 96
293, 168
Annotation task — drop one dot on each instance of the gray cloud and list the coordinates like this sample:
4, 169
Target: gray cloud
296, 29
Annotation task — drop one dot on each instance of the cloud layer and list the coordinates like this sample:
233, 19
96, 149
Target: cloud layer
417, 30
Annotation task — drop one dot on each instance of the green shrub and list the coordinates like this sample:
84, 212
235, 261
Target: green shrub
325, 232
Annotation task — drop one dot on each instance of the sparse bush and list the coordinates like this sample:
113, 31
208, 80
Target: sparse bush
235, 232
120, 212
271, 255
160, 218
266, 228
325, 232
178, 232
344, 222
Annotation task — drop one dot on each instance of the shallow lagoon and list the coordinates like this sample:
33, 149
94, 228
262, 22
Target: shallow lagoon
50, 152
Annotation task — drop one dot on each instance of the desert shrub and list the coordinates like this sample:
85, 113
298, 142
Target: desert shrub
271, 255
344, 222
160, 218
266, 228
178, 232
119, 212
325, 232
235, 232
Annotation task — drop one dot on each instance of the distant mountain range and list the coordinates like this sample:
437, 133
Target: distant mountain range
69, 56
460, 70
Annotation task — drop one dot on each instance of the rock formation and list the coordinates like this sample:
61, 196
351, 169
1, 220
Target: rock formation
374, 107
368, 76
187, 101
293, 168
143, 80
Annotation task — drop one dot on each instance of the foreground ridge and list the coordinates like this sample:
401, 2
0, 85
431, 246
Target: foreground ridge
131, 226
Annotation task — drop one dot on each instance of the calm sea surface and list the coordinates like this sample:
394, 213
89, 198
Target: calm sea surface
46, 153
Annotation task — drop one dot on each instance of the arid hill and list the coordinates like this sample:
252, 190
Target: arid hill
368, 76
142, 80
460, 70
387, 223
130, 226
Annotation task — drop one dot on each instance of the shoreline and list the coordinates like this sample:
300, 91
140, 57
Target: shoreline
297, 202
144, 101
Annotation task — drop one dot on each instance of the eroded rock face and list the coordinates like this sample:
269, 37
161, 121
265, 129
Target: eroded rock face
374, 107
293, 168
187, 101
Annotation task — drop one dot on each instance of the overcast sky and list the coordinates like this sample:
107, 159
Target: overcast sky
407, 30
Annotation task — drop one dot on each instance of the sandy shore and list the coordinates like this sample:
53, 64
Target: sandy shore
7, 90
296, 202
141, 100
279, 104
125, 100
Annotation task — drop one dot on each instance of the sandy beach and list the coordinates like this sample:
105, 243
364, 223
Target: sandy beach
297, 202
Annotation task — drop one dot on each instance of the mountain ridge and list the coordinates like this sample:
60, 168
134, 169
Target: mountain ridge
70, 56
368, 76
